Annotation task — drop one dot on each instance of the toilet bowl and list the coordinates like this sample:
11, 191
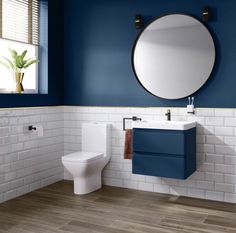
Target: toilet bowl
86, 166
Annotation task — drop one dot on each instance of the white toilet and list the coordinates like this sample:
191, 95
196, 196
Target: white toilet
86, 166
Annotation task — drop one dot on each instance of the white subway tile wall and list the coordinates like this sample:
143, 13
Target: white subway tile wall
29, 162
215, 178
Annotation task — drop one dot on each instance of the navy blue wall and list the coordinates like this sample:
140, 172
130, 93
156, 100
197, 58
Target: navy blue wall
55, 67
98, 39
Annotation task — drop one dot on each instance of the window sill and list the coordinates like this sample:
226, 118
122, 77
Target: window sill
27, 91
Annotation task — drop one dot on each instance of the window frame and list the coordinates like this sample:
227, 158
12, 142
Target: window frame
26, 90
30, 42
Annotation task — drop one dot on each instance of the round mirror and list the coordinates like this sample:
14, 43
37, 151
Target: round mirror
173, 56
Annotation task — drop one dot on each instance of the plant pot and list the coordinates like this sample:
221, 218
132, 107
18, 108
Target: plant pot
19, 79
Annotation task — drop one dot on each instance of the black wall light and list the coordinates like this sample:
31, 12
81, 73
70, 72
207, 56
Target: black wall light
206, 14
138, 21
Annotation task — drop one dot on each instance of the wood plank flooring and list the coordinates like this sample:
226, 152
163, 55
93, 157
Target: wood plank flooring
113, 210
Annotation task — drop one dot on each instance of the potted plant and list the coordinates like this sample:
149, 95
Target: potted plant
17, 64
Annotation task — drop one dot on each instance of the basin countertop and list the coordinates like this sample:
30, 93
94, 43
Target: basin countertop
168, 125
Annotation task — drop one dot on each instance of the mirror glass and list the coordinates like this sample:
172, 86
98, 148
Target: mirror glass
173, 56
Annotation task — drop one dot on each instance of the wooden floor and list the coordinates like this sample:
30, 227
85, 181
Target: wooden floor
113, 210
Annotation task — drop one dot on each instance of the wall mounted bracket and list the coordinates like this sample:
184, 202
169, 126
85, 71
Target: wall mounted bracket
206, 14
138, 21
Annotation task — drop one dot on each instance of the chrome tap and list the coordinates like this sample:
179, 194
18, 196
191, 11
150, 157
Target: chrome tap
168, 114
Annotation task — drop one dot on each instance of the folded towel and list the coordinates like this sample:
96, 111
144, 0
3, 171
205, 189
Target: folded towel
128, 144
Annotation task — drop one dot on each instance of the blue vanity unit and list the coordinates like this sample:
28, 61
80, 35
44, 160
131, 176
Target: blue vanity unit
165, 149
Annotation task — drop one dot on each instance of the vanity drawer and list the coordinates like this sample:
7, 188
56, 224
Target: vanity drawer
158, 141
161, 165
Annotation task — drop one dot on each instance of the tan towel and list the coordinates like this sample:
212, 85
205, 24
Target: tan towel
128, 144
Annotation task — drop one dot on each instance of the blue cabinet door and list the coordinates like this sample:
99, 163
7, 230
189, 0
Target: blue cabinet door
158, 141
159, 165
164, 153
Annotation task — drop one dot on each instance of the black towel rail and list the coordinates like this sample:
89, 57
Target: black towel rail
133, 118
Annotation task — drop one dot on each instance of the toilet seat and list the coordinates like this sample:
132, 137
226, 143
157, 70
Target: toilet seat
82, 157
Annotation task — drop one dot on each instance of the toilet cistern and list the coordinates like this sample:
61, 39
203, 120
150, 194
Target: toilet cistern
86, 166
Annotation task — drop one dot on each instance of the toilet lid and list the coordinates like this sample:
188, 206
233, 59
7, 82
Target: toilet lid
82, 157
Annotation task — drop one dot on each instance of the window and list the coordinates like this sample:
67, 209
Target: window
19, 30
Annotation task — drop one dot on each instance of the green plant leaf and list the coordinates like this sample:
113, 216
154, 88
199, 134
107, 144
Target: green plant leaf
5, 64
23, 55
24, 63
14, 55
19, 62
11, 65
31, 62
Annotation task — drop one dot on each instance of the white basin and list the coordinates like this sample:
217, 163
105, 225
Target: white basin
169, 125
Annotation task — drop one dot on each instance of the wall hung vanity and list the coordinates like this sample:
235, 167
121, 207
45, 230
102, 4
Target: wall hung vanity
164, 148
173, 56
